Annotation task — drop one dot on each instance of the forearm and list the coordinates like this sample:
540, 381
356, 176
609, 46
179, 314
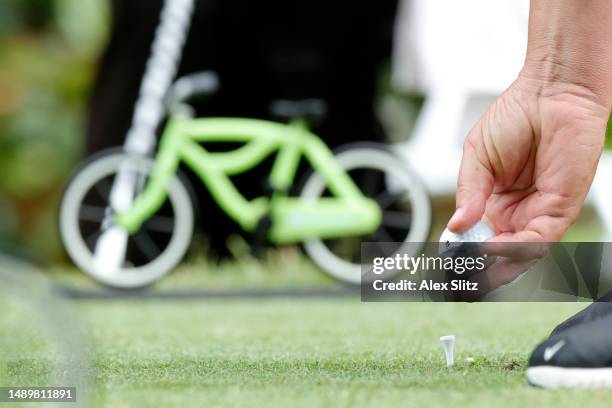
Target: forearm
570, 44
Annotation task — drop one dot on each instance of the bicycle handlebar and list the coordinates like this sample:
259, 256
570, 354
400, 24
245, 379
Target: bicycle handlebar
197, 84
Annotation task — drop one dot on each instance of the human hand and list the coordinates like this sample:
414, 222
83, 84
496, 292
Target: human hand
530, 160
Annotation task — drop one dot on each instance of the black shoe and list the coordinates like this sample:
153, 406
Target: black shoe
600, 308
577, 354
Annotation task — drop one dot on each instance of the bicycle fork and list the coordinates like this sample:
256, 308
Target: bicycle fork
153, 195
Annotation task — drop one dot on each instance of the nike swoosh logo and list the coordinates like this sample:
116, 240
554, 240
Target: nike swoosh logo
550, 352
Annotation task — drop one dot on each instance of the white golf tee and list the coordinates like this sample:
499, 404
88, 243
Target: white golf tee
448, 342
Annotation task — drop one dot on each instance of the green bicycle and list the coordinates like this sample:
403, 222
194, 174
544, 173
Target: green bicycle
363, 193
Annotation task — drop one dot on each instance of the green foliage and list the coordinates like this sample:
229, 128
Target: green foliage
41, 136
45, 80
48, 50
609, 134
84, 24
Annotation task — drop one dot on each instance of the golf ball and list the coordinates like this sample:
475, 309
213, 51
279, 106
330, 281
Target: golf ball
478, 233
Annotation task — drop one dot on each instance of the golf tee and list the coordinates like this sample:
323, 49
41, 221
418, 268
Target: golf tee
448, 342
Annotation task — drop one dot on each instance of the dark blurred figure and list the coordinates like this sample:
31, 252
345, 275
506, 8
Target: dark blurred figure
262, 51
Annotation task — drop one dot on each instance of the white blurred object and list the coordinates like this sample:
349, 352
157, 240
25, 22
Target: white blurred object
461, 55
478, 233
149, 111
448, 343
600, 195
110, 250
475, 45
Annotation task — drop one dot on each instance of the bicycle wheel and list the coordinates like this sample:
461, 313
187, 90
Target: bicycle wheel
404, 203
152, 251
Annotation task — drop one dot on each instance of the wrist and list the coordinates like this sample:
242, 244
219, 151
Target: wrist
569, 47
558, 72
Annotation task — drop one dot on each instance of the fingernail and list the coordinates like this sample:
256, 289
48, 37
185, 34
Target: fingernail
456, 216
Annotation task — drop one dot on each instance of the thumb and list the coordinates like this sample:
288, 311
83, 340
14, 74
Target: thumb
475, 186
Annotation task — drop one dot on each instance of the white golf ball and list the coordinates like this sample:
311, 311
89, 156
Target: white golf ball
478, 233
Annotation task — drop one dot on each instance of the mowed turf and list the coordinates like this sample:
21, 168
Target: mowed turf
295, 352
320, 353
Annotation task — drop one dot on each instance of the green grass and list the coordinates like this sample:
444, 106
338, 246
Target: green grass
320, 353
295, 352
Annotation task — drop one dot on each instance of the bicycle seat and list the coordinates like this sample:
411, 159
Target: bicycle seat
312, 110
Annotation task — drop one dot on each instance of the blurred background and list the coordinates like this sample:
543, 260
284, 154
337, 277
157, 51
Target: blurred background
48, 56
70, 72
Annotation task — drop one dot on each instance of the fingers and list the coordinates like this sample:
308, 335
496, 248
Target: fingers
475, 185
518, 247
501, 273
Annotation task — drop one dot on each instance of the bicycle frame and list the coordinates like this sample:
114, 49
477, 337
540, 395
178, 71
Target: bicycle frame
347, 212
